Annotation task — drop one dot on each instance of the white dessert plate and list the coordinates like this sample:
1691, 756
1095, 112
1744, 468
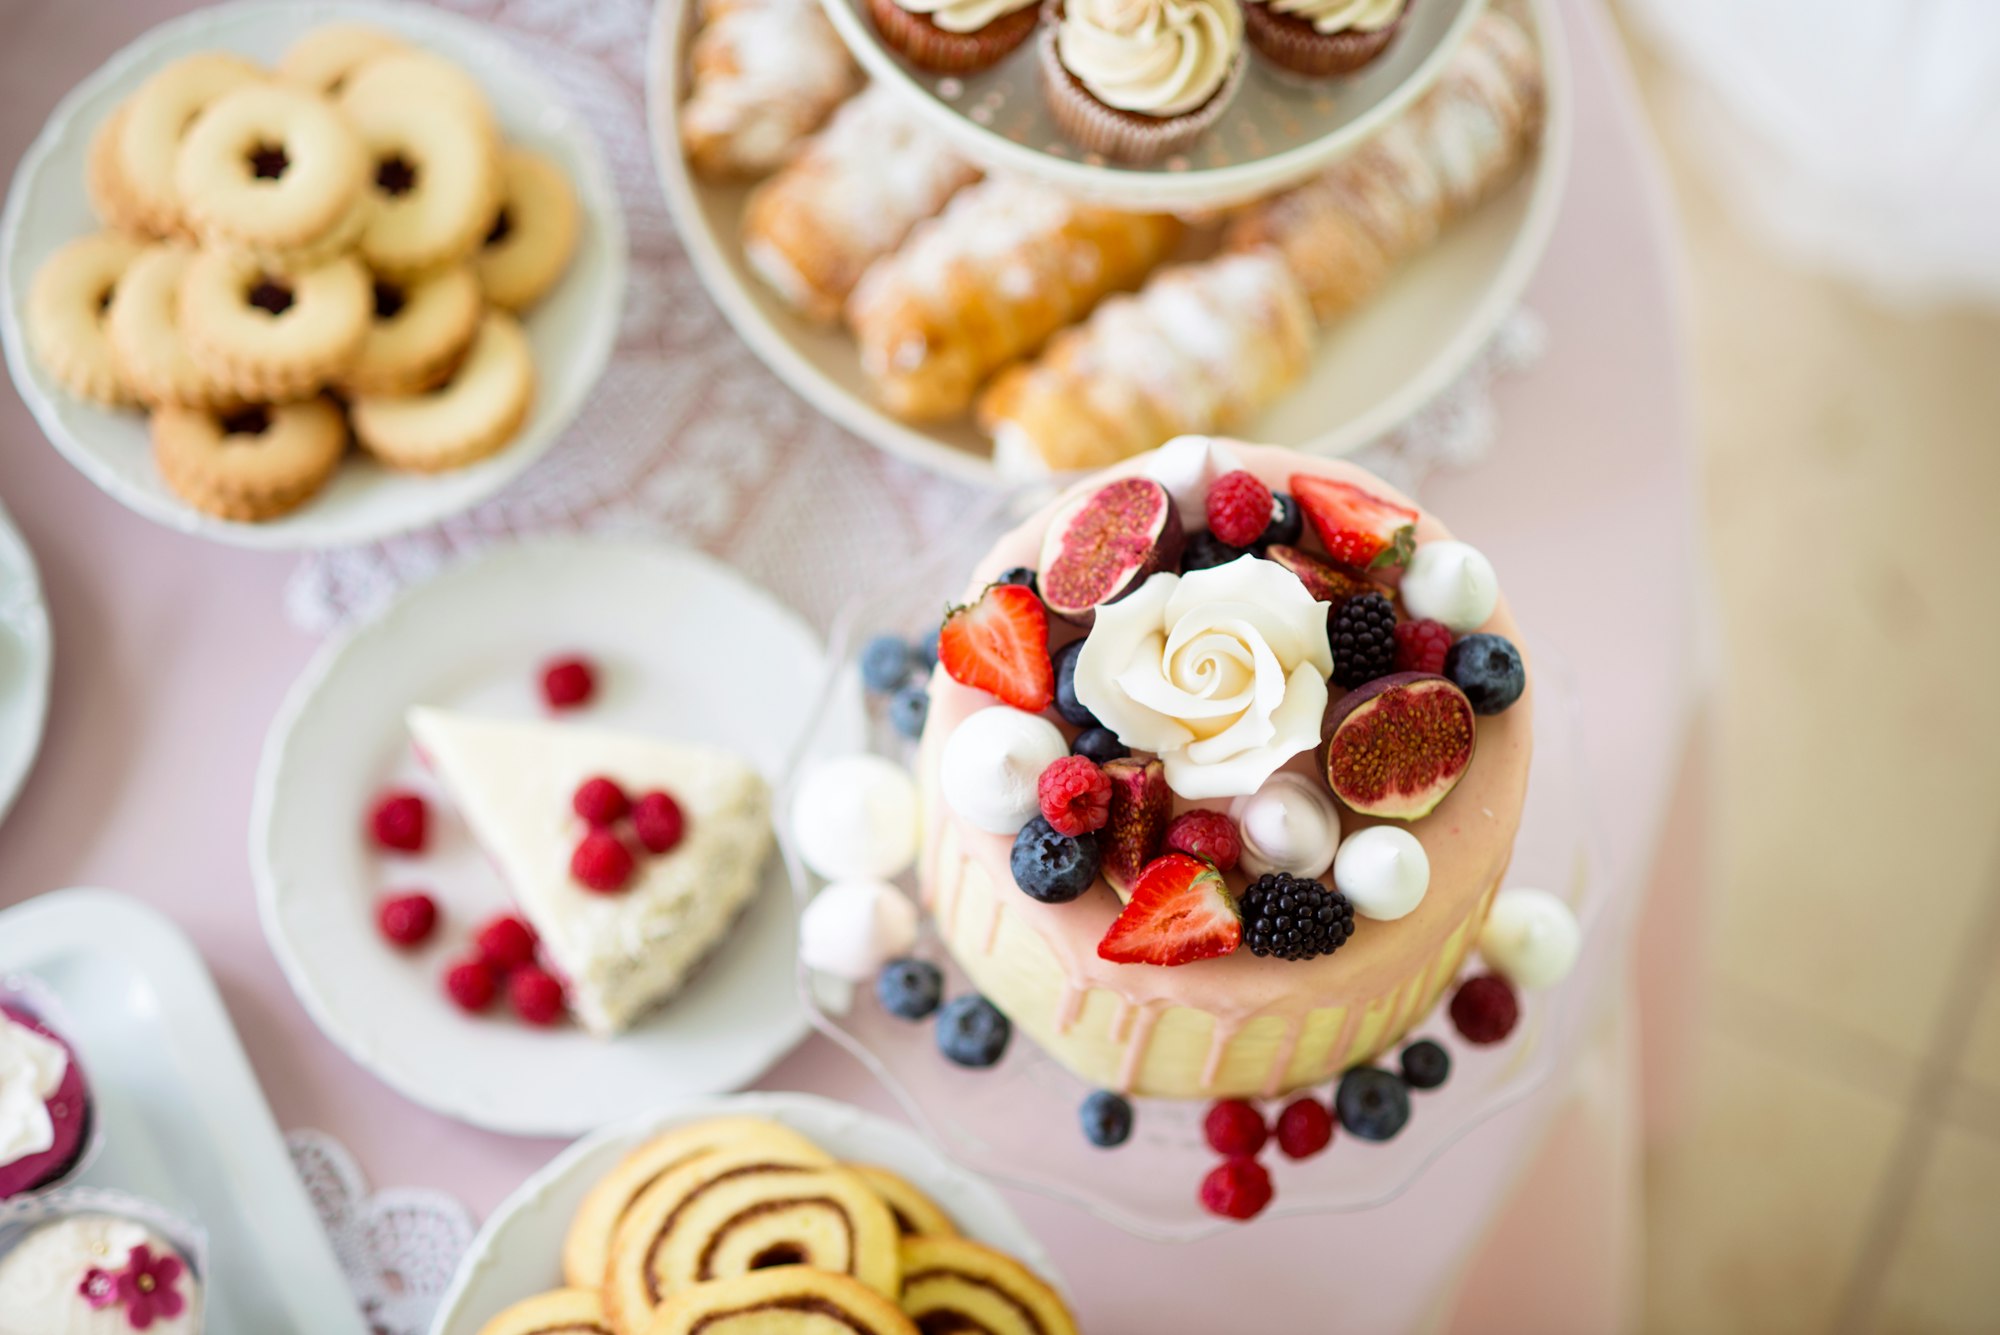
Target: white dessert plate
185, 1123
1278, 131
685, 648
1369, 373
571, 330
518, 1253
27, 650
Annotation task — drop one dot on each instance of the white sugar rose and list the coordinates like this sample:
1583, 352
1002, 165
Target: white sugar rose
1221, 673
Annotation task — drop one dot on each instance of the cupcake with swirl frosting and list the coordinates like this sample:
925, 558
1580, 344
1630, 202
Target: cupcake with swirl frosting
1136, 80
1322, 38
953, 36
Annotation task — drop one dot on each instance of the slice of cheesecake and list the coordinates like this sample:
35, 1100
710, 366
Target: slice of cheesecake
625, 952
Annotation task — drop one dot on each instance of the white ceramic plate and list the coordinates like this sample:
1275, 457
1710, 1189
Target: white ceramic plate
184, 1121
686, 648
1369, 373
27, 649
571, 331
518, 1253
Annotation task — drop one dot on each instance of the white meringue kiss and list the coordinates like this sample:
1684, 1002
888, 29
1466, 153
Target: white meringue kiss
1384, 872
1452, 582
1221, 673
855, 818
1291, 824
1531, 938
1187, 467
992, 767
852, 928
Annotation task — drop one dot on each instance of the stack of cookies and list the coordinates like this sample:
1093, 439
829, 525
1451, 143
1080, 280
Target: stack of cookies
336, 249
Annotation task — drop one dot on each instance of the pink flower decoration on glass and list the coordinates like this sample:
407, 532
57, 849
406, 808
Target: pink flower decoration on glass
144, 1288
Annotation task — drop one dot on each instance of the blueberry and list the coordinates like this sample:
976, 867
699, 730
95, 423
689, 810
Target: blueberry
1286, 528
908, 708
1100, 744
909, 988
1022, 576
885, 663
1067, 704
1372, 1103
1204, 551
925, 650
1107, 1119
971, 1031
1488, 669
1053, 868
1425, 1065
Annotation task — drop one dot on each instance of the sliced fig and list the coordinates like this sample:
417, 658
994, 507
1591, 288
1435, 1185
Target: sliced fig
1132, 837
1325, 581
1396, 746
1106, 544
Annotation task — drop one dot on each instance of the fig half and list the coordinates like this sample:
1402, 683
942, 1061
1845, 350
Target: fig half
1140, 805
1106, 544
1324, 580
1397, 746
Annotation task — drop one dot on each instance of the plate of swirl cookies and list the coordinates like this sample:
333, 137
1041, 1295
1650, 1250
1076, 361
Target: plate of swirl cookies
750, 1215
994, 326
299, 276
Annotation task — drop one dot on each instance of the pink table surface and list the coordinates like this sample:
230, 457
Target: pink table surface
172, 656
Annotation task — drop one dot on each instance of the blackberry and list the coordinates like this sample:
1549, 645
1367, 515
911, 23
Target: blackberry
1294, 919
1364, 640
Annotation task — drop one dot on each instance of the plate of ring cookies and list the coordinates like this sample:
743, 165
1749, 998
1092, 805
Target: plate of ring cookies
749, 1215
309, 275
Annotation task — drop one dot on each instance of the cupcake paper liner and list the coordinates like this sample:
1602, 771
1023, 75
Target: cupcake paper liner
28, 993
1295, 47
923, 43
1127, 136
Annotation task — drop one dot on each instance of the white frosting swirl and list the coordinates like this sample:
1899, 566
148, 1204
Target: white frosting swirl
1384, 872
1291, 824
1451, 582
1531, 938
855, 818
1221, 673
991, 770
963, 15
1343, 15
853, 928
1155, 57
32, 1067
1187, 467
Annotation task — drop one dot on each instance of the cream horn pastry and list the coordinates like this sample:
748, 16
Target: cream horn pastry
764, 75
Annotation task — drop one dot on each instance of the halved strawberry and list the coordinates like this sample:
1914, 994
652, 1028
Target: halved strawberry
1001, 644
1180, 912
1359, 528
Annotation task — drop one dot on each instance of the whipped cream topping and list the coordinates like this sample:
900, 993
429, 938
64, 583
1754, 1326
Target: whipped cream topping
963, 15
1291, 824
1342, 15
32, 1067
1384, 872
852, 928
1187, 466
992, 767
1155, 57
855, 818
1531, 938
1451, 582
1220, 672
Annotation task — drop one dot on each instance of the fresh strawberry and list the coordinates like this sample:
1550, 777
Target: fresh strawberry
1140, 801
1180, 912
1359, 529
1001, 644
1325, 581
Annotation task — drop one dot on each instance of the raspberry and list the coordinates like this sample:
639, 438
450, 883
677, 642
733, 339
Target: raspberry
1207, 834
1485, 1009
1239, 508
600, 801
536, 995
398, 821
506, 943
1237, 1189
658, 822
601, 862
407, 919
1234, 1127
1076, 796
471, 984
1421, 646
1305, 1128
568, 682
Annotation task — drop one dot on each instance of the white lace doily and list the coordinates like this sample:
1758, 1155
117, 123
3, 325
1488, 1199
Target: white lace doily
398, 1247
688, 435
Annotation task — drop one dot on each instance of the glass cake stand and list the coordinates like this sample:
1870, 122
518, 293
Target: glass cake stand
1016, 1123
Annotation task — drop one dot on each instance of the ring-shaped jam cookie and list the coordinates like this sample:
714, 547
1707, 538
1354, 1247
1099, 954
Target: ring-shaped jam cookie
465, 419
67, 302
267, 336
269, 168
533, 234
420, 331
144, 326
158, 115
326, 57
250, 463
434, 166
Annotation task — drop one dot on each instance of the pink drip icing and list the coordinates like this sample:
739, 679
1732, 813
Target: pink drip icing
1121, 1023
1220, 1038
1070, 1007
1288, 1045
1135, 1049
1336, 1056
992, 927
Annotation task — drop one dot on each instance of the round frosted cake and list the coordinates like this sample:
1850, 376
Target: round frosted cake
1340, 691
